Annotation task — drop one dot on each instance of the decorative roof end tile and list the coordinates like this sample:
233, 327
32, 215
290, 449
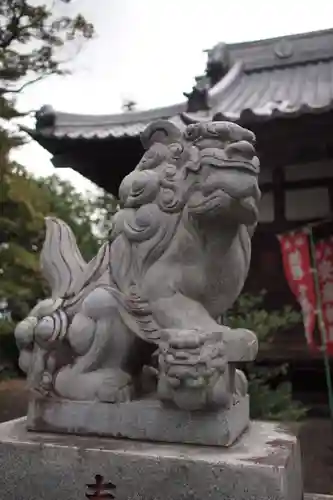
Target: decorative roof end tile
45, 117
198, 98
218, 63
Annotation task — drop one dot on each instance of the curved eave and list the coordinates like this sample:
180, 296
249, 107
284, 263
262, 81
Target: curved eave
73, 126
79, 120
248, 115
216, 93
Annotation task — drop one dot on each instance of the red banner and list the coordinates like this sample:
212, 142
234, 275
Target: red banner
297, 268
324, 262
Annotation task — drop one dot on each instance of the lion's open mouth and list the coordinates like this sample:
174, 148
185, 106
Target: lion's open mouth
199, 203
244, 209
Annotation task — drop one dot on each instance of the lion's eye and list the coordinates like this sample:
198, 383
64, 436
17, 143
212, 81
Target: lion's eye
191, 132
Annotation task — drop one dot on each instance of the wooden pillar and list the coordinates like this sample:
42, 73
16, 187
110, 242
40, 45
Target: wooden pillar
279, 195
330, 193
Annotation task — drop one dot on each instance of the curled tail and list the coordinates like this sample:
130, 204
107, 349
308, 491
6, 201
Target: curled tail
62, 264
61, 260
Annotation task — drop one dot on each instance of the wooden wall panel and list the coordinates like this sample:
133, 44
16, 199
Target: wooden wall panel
310, 203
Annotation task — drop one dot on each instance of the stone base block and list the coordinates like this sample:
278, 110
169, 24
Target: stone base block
263, 464
145, 420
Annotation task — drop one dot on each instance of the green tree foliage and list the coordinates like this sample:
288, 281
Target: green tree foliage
32, 40
25, 202
78, 211
106, 205
33, 45
270, 393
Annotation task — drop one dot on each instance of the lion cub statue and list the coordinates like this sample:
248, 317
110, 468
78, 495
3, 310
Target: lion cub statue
177, 258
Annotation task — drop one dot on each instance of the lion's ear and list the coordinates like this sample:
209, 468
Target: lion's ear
162, 131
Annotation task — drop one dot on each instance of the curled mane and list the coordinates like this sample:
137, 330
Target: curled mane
153, 198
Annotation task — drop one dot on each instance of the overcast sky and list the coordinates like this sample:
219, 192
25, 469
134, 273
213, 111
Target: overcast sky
150, 51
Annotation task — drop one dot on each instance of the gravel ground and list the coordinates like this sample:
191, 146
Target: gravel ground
316, 437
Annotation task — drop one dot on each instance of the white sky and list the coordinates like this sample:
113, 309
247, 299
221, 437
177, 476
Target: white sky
150, 51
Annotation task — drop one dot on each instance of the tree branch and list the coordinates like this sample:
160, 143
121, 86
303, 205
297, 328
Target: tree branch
13, 27
4, 90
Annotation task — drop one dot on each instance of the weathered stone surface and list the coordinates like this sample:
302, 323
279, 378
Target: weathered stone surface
315, 496
178, 256
145, 420
264, 464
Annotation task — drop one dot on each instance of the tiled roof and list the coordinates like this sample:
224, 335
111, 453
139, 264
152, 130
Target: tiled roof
131, 124
289, 91
285, 76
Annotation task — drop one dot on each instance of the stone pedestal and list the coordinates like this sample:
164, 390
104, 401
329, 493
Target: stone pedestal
263, 464
145, 420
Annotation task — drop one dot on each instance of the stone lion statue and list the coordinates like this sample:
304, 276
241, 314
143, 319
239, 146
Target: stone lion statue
177, 258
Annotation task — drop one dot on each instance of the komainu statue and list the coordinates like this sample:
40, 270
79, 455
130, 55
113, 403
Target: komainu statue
150, 301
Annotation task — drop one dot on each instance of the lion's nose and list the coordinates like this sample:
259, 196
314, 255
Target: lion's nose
242, 149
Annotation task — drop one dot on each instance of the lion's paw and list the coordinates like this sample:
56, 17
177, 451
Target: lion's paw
117, 387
